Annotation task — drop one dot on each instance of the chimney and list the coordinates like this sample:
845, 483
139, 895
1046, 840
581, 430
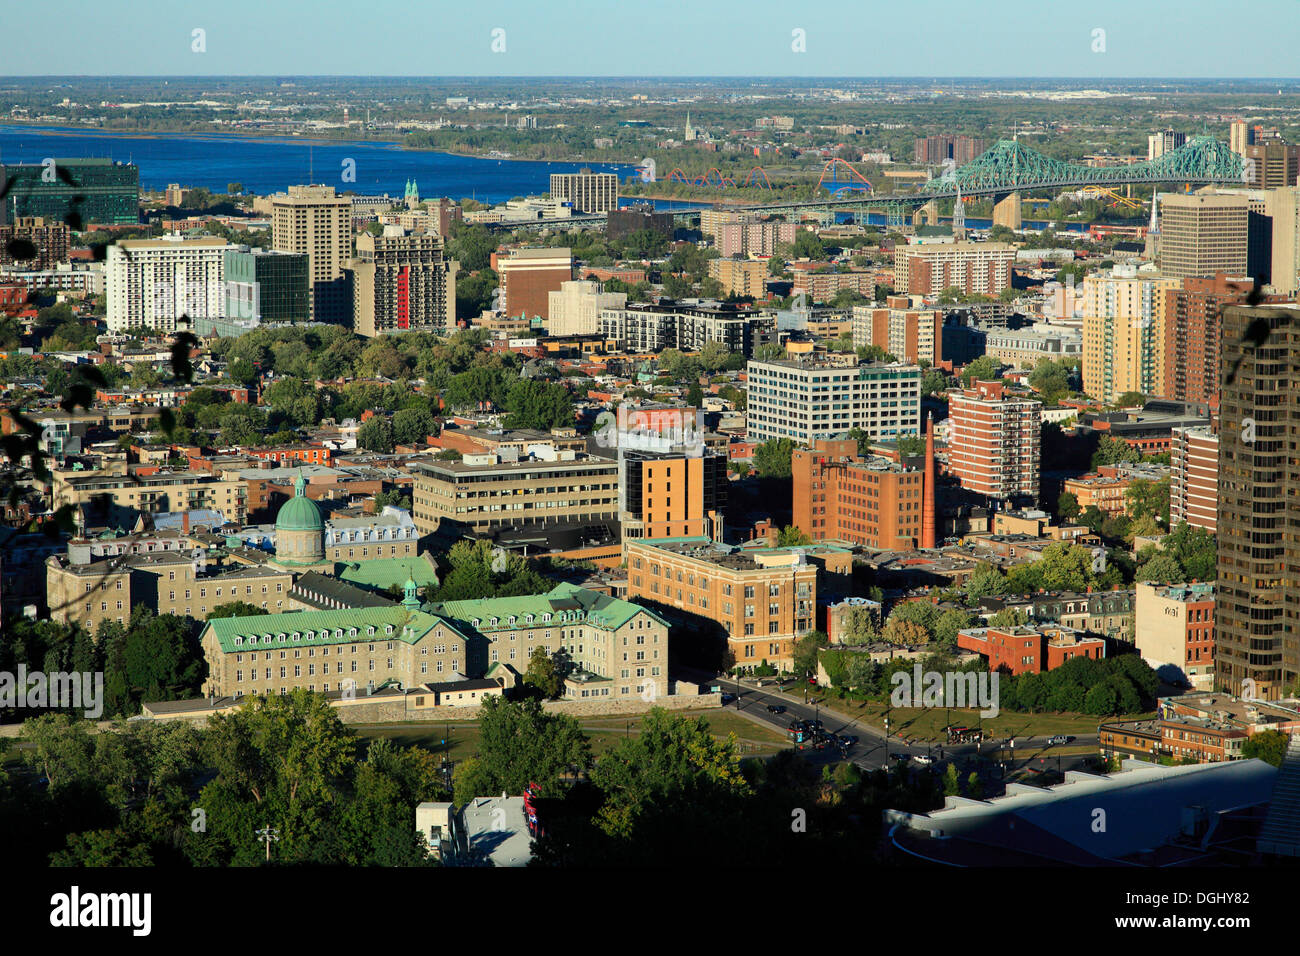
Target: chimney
929, 517
185, 521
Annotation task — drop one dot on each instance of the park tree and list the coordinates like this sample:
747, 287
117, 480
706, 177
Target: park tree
772, 458
543, 675
235, 609
376, 435
985, 368
281, 762
673, 767
520, 743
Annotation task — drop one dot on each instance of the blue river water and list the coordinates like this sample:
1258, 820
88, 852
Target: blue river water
266, 165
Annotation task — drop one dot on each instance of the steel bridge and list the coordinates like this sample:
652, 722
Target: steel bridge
1011, 167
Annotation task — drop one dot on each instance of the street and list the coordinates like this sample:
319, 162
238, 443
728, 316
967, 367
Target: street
872, 752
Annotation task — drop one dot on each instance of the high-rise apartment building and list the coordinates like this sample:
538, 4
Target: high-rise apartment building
313, 220
982, 268
1124, 331
1238, 137
933, 150
994, 442
752, 238
910, 335
1192, 336
1257, 616
48, 243
529, 276
1194, 477
402, 281
623, 223
1163, 142
154, 283
672, 494
1272, 165
94, 190
574, 309
744, 277
807, 399
588, 191
1204, 233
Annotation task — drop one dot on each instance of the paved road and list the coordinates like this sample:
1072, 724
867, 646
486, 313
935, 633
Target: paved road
873, 752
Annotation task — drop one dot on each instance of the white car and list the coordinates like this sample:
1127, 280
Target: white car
923, 759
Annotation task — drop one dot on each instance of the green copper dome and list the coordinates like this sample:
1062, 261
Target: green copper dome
299, 513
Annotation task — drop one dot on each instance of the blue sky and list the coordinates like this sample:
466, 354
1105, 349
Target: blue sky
925, 38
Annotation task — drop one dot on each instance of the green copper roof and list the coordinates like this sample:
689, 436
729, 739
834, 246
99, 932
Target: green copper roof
565, 604
300, 513
380, 574
315, 628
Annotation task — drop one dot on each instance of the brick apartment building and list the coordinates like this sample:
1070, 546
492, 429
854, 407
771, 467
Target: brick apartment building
994, 444
1029, 650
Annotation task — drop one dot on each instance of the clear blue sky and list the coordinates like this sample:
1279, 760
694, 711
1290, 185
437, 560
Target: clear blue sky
1143, 38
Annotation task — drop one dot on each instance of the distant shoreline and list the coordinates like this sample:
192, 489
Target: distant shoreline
47, 130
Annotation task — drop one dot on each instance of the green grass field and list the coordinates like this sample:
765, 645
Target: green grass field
463, 736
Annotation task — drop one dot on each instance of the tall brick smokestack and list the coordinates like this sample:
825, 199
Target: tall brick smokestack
929, 515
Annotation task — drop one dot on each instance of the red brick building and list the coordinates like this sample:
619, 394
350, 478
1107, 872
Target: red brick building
1192, 334
994, 443
1029, 650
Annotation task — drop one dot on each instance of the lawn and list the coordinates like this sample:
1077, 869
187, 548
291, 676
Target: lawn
463, 736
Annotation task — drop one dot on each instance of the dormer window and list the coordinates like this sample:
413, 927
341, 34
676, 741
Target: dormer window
370, 631
239, 641
295, 637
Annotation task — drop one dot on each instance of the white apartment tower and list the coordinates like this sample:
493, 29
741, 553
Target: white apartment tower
153, 283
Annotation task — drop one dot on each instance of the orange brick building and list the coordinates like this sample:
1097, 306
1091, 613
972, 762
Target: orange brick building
841, 496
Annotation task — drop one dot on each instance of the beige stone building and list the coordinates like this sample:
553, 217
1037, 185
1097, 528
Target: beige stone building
117, 498
740, 276
487, 492
167, 583
312, 219
619, 649
575, 308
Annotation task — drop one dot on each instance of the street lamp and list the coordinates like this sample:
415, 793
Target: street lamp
268, 835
